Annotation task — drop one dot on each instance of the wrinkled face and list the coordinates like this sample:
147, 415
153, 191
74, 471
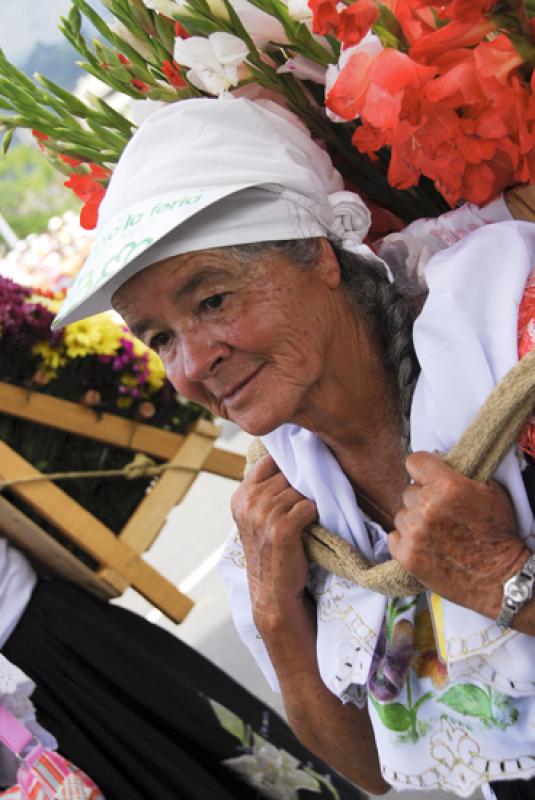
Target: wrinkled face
248, 341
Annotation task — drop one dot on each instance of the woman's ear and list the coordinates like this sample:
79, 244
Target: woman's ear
328, 266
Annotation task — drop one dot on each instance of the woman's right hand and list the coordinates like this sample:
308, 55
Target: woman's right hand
271, 517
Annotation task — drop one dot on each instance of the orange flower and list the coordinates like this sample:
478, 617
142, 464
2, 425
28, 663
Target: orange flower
325, 16
90, 189
415, 17
426, 662
376, 89
41, 137
454, 35
173, 75
72, 162
356, 20
140, 85
180, 31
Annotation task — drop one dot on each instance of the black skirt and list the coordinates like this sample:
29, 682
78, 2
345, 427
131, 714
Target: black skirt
514, 790
149, 718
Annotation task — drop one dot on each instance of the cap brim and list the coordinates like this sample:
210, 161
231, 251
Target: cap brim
115, 256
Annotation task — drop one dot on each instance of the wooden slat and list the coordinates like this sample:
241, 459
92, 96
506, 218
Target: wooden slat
112, 577
145, 523
48, 555
75, 418
94, 537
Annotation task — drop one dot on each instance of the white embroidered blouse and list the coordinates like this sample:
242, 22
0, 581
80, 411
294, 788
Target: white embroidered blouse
451, 696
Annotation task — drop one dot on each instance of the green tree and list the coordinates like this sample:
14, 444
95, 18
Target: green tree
31, 190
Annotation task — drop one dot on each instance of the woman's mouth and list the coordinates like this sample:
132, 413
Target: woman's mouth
235, 393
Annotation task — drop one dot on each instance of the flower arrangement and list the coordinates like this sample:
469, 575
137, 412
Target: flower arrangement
422, 104
99, 364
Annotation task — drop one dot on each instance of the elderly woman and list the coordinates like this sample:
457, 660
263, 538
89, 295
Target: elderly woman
228, 245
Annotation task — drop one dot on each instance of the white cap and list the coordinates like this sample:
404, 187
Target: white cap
180, 184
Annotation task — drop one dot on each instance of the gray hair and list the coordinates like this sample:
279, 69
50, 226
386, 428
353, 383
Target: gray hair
389, 311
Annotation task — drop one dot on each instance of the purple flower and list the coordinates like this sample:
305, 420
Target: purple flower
391, 661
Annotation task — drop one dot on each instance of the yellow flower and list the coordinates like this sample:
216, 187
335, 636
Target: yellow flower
97, 335
156, 372
129, 380
124, 402
155, 367
51, 360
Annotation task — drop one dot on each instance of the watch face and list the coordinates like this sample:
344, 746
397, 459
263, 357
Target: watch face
518, 590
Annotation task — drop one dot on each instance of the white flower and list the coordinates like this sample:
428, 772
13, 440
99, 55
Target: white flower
261, 27
213, 61
136, 44
167, 7
275, 772
370, 45
299, 10
304, 69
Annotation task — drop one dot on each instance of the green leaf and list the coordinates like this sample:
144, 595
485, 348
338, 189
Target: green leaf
229, 721
75, 21
165, 32
394, 716
388, 29
469, 700
422, 700
7, 140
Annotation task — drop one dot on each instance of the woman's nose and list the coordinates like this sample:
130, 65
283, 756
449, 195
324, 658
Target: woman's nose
201, 357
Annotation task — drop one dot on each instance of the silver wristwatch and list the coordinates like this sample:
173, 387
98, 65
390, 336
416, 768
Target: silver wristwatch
516, 592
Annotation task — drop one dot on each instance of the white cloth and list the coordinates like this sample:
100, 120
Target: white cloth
481, 726
15, 692
17, 581
199, 153
408, 252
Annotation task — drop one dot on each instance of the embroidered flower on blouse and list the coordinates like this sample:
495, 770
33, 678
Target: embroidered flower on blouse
275, 772
426, 662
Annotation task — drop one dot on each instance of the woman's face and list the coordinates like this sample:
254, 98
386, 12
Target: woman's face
248, 341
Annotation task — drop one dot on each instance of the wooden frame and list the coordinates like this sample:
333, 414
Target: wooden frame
119, 556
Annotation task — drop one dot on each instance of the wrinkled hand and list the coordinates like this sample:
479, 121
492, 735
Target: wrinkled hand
271, 517
457, 536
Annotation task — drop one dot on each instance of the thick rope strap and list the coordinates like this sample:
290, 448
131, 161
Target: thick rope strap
476, 455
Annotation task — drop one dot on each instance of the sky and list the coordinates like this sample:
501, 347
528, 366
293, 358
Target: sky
26, 22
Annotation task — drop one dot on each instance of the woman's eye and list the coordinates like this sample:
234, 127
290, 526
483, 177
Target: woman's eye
158, 341
213, 302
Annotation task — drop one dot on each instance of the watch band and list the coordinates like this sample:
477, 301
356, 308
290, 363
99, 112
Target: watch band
516, 592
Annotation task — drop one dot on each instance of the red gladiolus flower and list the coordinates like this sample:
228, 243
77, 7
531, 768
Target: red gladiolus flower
173, 75
497, 59
376, 88
90, 190
124, 60
180, 31
347, 95
72, 162
141, 86
415, 17
465, 10
356, 20
325, 16
41, 137
454, 35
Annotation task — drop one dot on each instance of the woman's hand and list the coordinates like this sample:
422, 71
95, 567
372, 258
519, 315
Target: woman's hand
457, 536
271, 517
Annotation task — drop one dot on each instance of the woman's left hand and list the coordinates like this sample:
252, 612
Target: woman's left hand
457, 536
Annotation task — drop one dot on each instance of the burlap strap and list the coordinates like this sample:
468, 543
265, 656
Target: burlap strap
477, 454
